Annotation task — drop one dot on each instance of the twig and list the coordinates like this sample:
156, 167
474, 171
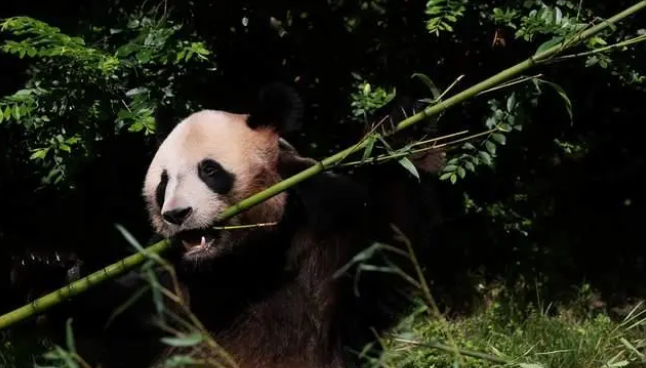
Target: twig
599, 50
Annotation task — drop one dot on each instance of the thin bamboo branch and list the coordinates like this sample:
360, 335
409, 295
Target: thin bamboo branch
77, 287
599, 50
448, 349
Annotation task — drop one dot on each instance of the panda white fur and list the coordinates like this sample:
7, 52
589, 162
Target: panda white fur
267, 294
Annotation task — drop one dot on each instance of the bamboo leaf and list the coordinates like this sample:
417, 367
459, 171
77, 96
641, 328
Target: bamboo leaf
409, 166
369, 147
188, 340
429, 83
549, 43
561, 92
69, 336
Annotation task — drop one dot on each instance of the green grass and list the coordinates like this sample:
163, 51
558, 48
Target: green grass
521, 336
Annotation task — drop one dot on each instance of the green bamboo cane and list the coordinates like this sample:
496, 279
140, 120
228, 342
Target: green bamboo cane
41, 304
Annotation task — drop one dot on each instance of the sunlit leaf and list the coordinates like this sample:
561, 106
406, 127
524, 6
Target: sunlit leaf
500, 138
491, 147
188, 340
408, 165
461, 172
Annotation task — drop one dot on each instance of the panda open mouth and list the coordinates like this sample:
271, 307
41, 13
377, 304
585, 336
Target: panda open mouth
196, 240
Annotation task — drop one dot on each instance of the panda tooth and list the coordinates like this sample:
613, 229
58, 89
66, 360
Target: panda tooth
203, 242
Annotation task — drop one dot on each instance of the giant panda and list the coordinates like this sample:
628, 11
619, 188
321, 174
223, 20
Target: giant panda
270, 295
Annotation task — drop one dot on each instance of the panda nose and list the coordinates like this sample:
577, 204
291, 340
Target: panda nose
177, 216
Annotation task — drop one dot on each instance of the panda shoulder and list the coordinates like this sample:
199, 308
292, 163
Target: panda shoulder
329, 199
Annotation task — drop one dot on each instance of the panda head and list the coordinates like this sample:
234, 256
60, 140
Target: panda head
212, 160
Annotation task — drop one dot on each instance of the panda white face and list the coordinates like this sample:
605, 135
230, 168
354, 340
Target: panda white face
210, 161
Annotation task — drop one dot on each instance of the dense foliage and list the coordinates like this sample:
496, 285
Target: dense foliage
549, 191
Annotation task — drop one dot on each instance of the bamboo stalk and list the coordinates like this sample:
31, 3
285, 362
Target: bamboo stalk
41, 304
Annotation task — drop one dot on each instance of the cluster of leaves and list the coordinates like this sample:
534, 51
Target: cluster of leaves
564, 19
501, 121
443, 14
367, 99
78, 95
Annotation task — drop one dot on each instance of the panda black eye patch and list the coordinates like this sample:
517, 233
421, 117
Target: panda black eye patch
215, 176
161, 189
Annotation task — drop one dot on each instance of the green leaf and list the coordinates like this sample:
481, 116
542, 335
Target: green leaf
505, 127
491, 147
429, 83
445, 176
179, 361
448, 168
188, 340
561, 92
461, 172
16, 112
136, 127
485, 157
136, 91
468, 146
491, 122
1, 118
69, 336
453, 178
500, 138
547, 44
530, 365
621, 363
511, 103
470, 166
39, 154
369, 147
409, 166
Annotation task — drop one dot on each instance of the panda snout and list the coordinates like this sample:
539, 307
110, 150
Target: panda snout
177, 216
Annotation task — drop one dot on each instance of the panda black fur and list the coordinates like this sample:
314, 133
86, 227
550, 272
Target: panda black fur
267, 294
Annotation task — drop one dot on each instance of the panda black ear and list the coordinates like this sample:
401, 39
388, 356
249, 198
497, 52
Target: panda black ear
278, 107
